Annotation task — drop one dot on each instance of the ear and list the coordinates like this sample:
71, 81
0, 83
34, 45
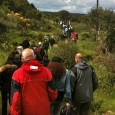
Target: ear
34, 56
75, 59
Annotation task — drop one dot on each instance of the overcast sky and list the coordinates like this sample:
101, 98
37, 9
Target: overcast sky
73, 6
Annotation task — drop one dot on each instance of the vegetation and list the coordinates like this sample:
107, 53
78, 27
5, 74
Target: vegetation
23, 20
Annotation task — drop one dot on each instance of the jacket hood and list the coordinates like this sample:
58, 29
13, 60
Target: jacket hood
82, 65
32, 66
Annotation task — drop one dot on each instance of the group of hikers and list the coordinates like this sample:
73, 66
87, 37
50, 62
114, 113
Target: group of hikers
68, 32
35, 85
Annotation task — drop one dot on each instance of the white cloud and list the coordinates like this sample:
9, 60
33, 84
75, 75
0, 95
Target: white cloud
73, 6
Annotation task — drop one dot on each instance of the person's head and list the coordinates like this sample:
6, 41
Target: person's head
17, 60
27, 54
57, 59
39, 44
19, 49
78, 57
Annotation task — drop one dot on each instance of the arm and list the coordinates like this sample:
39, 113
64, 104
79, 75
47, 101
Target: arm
6, 66
68, 87
52, 91
73, 78
94, 79
15, 97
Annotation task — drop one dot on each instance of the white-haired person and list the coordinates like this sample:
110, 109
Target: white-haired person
31, 90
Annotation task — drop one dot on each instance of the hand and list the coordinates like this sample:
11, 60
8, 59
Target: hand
68, 105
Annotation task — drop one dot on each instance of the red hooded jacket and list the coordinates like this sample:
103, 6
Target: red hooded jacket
30, 92
74, 35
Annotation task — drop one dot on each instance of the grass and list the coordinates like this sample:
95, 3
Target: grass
104, 97
87, 45
103, 100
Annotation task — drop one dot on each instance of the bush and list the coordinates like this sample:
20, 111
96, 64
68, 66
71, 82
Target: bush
96, 106
88, 57
108, 61
3, 56
3, 28
40, 36
110, 39
66, 51
84, 35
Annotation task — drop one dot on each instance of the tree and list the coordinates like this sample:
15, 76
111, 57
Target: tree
64, 15
110, 39
105, 18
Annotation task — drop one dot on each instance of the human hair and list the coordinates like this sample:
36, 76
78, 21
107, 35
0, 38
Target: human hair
79, 56
57, 69
28, 54
11, 57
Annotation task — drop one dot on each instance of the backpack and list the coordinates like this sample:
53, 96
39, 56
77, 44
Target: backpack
67, 111
77, 72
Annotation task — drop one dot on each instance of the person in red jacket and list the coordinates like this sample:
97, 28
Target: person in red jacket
31, 87
74, 35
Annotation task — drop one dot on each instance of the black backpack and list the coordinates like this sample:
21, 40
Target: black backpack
67, 111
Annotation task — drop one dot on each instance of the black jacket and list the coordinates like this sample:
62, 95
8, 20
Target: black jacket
83, 82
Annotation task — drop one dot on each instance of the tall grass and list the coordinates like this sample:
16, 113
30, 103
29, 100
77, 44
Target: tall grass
104, 96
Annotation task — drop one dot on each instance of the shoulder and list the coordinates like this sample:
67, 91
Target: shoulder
16, 74
74, 69
66, 73
92, 68
47, 72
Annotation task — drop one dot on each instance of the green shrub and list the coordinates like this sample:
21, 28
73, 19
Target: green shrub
88, 57
40, 36
84, 35
96, 106
88, 48
107, 60
66, 51
104, 95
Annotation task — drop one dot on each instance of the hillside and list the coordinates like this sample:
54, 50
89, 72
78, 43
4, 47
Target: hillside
23, 21
22, 7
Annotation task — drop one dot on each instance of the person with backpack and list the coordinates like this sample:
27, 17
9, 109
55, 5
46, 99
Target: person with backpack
84, 82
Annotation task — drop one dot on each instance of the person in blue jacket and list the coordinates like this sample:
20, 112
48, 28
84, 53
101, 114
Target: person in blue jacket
61, 78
